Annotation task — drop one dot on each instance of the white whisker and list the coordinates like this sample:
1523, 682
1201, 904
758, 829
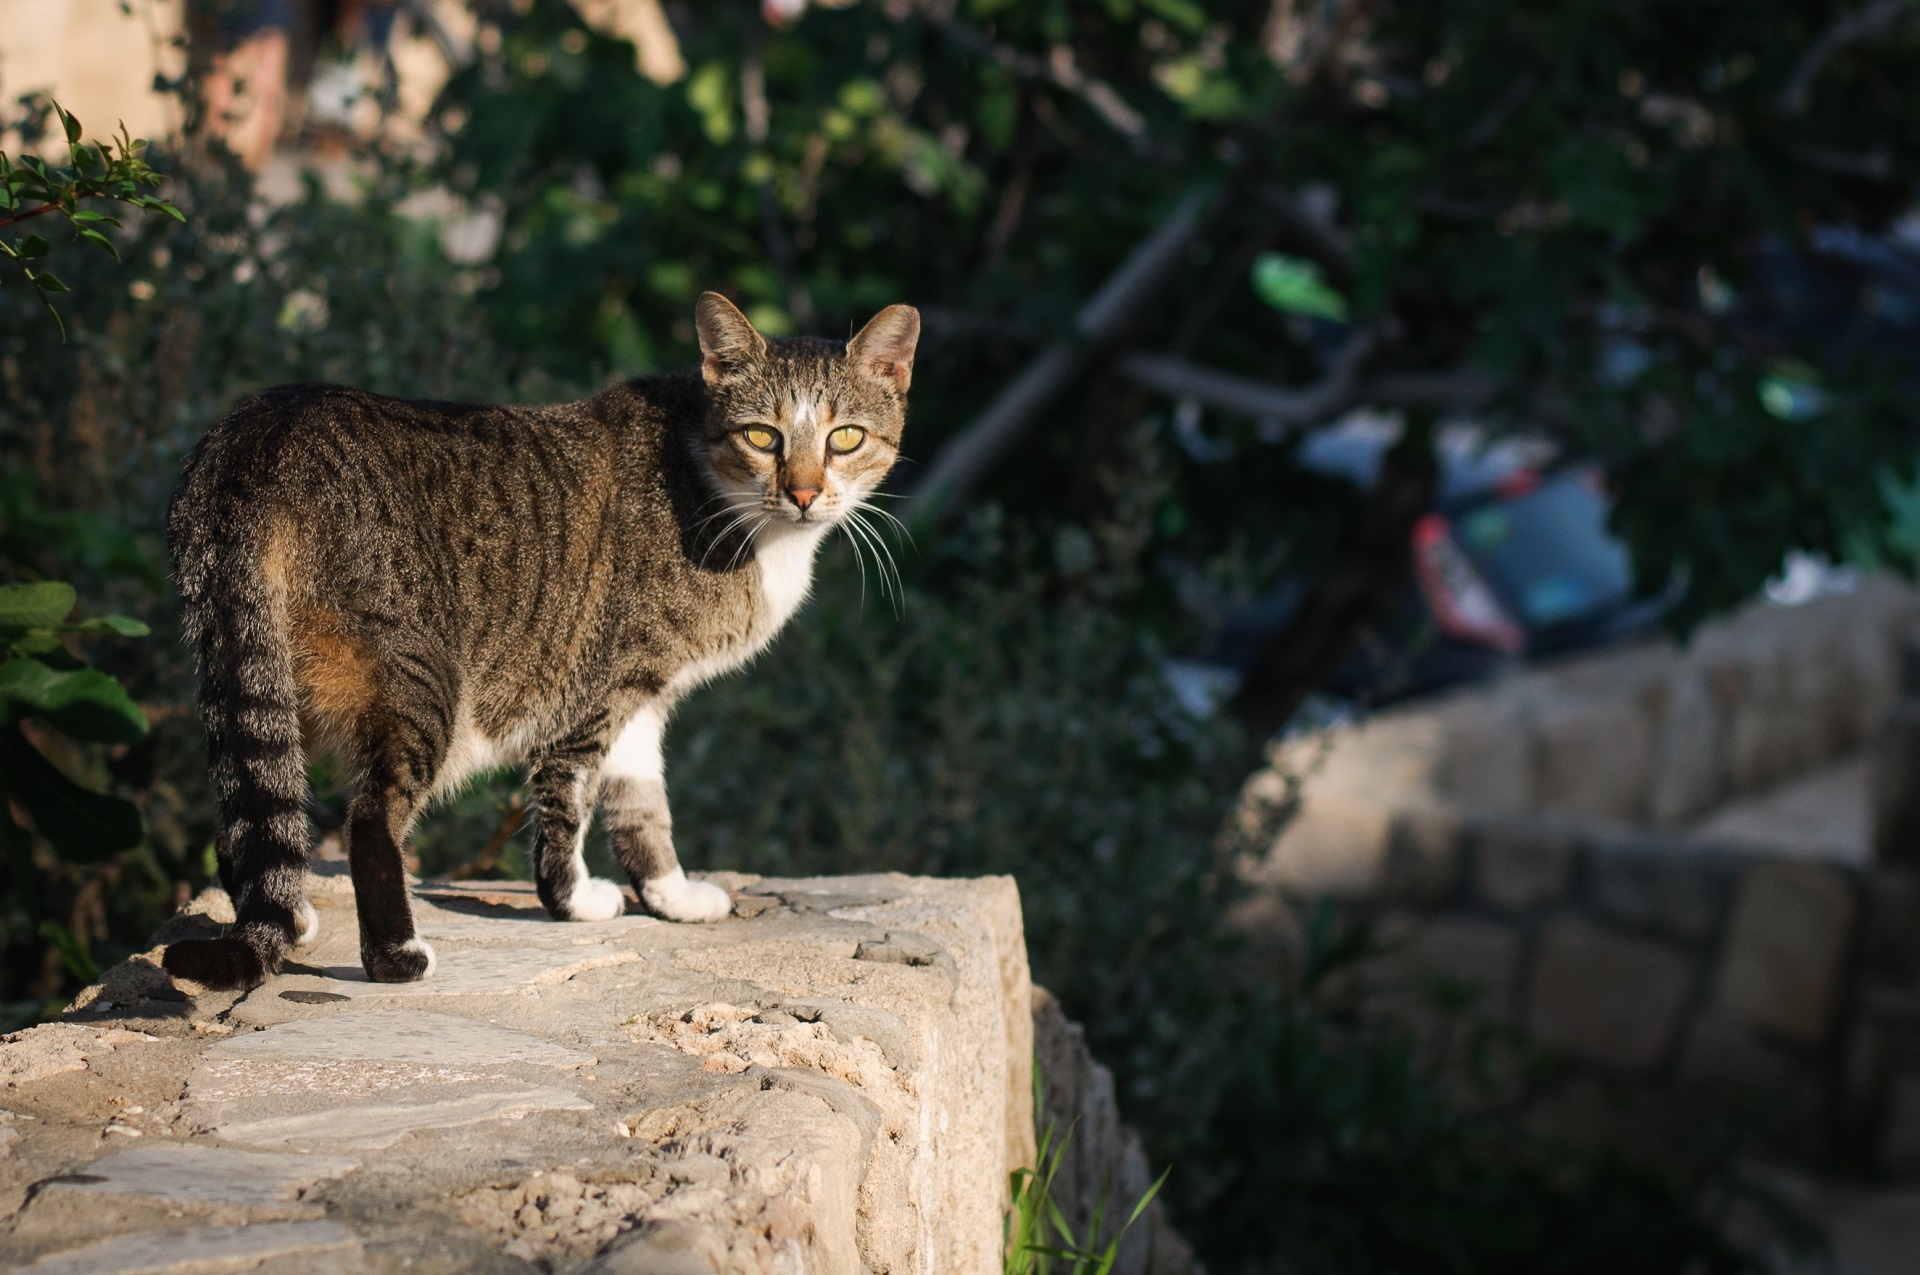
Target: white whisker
883, 558
859, 562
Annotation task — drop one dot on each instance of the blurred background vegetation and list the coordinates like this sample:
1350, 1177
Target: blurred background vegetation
1592, 224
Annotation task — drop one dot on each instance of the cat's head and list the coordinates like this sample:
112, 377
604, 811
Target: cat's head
802, 430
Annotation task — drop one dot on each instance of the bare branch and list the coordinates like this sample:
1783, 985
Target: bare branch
1182, 378
1057, 69
1855, 28
974, 450
1334, 393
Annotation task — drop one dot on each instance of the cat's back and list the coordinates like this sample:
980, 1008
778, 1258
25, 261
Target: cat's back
335, 429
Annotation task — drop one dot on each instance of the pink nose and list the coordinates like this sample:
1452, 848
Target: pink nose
803, 496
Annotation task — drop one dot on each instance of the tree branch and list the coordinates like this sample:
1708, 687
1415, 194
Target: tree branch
29, 215
1855, 28
1057, 69
973, 451
1294, 408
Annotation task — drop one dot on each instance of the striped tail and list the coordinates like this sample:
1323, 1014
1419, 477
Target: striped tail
236, 618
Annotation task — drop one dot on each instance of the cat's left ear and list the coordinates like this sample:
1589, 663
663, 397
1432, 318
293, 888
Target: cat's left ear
727, 341
883, 350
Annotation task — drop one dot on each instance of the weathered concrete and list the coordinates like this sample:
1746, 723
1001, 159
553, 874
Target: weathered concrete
838, 1079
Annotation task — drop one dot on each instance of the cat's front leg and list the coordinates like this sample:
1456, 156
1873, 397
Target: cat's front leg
560, 799
633, 800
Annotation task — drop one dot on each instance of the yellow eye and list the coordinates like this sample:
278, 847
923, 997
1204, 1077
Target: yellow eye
761, 437
846, 438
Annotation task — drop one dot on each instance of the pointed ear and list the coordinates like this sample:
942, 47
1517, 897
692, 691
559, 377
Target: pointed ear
727, 341
883, 350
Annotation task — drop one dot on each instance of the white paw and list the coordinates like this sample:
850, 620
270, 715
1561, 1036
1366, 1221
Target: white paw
595, 900
306, 924
677, 899
425, 949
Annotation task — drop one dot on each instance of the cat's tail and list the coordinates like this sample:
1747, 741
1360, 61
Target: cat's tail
225, 549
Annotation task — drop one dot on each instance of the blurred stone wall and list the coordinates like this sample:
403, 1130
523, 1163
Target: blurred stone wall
1550, 847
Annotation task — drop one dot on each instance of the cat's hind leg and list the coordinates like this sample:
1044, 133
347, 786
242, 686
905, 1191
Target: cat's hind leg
561, 782
397, 750
633, 801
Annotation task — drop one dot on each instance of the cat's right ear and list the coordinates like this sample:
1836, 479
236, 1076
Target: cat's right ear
727, 341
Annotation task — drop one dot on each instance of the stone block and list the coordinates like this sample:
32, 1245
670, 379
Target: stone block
1423, 856
1478, 957
1890, 959
1605, 997
1592, 758
842, 1081
1895, 782
1900, 1143
1488, 767
1780, 959
1722, 1052
1334, 847
321, 1248
1688, 767
1657, 885
1517, 866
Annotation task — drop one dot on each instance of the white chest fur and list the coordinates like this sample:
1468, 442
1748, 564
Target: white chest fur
786, 571
785, 562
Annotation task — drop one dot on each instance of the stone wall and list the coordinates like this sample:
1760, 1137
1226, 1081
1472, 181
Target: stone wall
839, 1079
1550, 841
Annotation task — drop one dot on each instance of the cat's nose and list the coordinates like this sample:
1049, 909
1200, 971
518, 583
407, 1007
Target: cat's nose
803, 496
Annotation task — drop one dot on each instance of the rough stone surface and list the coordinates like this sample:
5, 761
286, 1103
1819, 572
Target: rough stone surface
1593, 759
1518, 868
1656, 887
1780, 963
1722, 1052
221, 1174
1605, 997
271, 1246
1823, 814
839, 1081
1424, 856
1689, 768
1900, 1138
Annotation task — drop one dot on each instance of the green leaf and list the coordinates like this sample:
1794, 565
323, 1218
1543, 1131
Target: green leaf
84, 826
48, 281
118, 625
1293, 285
85, 704
68, 122
35, 606
1902, 501
31, 248
73, 952
94, 236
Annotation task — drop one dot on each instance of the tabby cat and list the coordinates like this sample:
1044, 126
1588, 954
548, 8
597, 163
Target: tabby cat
433, 589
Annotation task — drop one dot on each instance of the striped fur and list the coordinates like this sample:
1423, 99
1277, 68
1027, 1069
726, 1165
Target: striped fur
431, 589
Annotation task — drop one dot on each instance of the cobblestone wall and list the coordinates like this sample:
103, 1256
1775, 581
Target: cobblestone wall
1530, 841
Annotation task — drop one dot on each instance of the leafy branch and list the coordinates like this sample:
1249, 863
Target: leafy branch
114, 171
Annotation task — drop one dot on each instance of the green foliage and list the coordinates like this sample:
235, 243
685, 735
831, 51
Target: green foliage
114, 171
1524, 194
43, 682
1030, 1250
1294, 286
